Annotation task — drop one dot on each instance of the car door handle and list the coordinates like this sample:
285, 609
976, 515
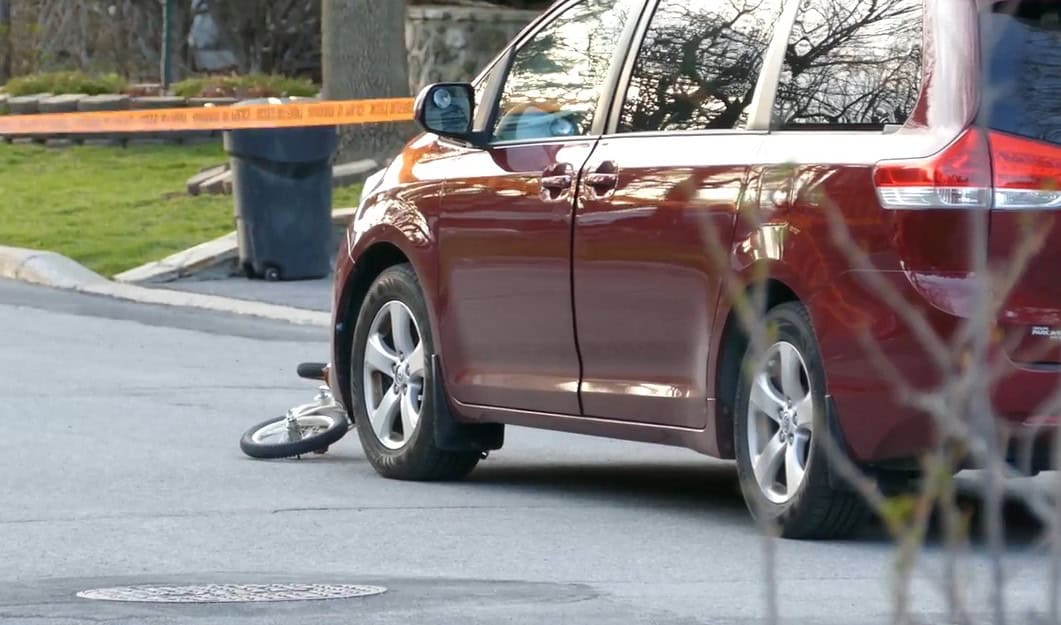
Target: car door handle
556, 181
560, 182
603, 180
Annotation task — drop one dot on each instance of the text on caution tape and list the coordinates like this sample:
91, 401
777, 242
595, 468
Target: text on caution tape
293, 115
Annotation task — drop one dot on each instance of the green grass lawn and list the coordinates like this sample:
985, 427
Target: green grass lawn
113, 208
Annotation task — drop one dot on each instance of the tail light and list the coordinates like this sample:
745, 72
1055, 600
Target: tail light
1027, 173
976, 171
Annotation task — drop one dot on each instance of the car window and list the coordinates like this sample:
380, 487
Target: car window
1021, 51
851, 65
698, 65
557, 76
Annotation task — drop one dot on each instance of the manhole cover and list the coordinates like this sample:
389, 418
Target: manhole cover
231, 593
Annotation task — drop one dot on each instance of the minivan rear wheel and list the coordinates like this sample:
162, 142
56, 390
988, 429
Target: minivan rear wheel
780, 433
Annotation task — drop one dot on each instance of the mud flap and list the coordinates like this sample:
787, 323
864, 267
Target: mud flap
836, 481
450, 434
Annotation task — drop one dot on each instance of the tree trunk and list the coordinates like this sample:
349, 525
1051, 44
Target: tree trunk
364, 56
5, 41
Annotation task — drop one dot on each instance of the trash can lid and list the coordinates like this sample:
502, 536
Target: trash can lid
308, 144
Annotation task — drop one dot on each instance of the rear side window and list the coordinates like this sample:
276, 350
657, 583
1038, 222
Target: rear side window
1021, 51
851, 65
698, 65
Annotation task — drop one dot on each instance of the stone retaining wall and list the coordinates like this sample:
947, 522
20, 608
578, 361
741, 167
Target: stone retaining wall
452, 44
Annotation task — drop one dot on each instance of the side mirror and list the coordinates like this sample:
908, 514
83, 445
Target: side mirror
448, 110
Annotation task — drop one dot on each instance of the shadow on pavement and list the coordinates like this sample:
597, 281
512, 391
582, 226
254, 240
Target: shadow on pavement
713, 488
678, 487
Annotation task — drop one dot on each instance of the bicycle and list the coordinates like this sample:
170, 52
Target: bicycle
307, 428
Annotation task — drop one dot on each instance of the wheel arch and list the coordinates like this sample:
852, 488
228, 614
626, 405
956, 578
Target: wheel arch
733, 342
376, 259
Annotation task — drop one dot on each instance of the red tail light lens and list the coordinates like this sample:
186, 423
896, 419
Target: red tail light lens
1027, 173
957, 177
977, 170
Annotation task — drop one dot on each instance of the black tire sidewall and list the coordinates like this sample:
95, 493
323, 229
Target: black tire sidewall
788, 323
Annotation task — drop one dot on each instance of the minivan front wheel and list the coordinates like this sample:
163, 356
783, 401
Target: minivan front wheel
780, 433
392, 384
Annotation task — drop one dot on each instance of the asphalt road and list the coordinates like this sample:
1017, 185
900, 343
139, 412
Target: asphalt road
119, 465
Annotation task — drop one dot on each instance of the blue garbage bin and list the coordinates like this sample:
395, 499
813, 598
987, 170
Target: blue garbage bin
282, 186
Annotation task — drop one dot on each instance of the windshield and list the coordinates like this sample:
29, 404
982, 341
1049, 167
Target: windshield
1021, 50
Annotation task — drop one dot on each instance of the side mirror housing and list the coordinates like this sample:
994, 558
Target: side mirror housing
448, 110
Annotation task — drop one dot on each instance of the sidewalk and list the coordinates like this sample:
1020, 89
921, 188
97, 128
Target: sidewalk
307, 294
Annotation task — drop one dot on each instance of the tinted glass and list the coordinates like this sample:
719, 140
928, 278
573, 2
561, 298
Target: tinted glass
1021, 44
698, 65
852, 65
557, 77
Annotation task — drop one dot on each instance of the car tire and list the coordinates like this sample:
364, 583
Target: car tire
393, 452
780, 429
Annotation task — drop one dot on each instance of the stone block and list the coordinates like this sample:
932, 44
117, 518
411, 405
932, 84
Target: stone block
93, 103
106, 102
216, 185
66, 103
26, 104
212, 167
195, 182
159, 102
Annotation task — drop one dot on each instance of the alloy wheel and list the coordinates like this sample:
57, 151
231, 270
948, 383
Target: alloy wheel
394, 375
780, 422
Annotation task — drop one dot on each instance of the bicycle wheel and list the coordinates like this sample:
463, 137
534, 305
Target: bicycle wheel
275, 438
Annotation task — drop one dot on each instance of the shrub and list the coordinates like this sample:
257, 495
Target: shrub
249, 86
60, 83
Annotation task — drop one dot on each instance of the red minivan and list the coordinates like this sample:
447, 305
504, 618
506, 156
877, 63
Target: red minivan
564, 247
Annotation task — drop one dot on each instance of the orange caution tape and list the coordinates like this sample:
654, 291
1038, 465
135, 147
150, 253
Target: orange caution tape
293, 115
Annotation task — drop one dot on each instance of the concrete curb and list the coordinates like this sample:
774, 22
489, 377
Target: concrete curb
221, 254
55, 270
203, 257
47, 268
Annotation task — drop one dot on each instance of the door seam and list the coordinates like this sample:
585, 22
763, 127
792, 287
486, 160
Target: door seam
571, 271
